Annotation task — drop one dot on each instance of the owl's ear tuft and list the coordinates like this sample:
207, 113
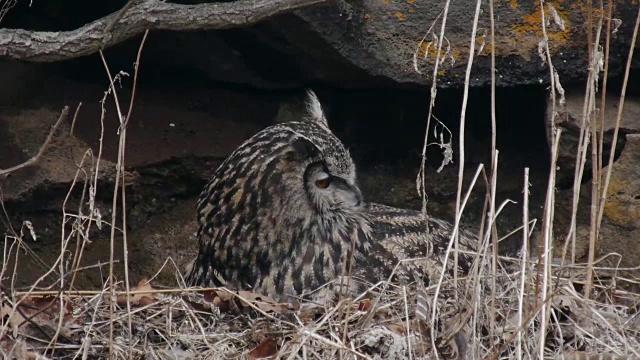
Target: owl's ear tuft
314, 109
303, 148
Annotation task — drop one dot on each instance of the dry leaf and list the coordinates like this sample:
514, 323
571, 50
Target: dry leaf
18, 350
43, 309
197, 303
15, 318
364, 305
226, 300
220, 298
263, 302
210, 295
42, 313
396, 328
148, 298
266, 349
310, 311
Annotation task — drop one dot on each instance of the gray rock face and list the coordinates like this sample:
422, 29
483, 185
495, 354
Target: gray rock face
397, 40
23, 134
184, 133
620, 227
623, 198
355, 43
569, 119
389, 43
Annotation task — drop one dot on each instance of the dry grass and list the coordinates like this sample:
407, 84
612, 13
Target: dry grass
214, 323
523, 308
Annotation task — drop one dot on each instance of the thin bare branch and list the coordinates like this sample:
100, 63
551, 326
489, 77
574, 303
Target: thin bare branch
45, 46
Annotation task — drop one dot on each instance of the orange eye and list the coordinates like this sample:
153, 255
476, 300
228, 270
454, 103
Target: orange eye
323, 183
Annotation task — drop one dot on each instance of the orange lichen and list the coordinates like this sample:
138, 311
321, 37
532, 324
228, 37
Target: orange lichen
386, 1
619, 205
367, 16
410, 1
411, 11
532, 24
442, 72
400, 16
514, 4
486, 50
429, 50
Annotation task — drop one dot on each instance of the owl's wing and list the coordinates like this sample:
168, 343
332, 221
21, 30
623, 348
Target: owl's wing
406, 234
419, 245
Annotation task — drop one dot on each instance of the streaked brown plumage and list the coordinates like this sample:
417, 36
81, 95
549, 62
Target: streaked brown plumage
283, 214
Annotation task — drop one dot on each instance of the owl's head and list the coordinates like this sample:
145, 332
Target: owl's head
327, 171
295, 169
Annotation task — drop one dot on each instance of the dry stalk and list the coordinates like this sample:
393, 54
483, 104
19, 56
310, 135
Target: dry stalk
552, 70
494, 158
494, 247
421, 179
406, 314
120, 175
547, 250
589, 113
461, 136
525, 258
77, 254
456, 228
63, 247
93, 214
605, 79
114, 209
123, 193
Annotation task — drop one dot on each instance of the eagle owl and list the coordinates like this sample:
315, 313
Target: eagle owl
283, 215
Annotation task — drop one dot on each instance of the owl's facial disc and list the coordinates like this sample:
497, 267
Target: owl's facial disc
330, 192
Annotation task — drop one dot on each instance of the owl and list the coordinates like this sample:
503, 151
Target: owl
283, 215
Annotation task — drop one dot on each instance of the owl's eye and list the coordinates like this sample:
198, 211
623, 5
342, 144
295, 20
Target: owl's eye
323, 182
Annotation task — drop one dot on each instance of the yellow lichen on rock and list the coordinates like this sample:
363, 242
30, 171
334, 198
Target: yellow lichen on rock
429, 48
532, 24
623, 195
620, 207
